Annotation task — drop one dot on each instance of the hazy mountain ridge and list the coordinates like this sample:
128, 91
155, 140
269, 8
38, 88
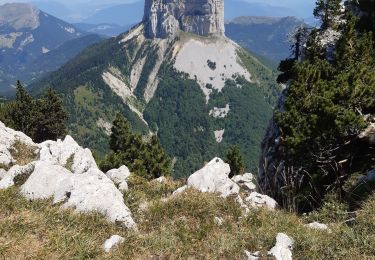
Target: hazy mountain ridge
27, 36
106, 29
266, 36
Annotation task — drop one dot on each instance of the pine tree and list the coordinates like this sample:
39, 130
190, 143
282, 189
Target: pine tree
313, 51
23, 112
146, 159
121, 134
326, 11
51, 118
323, 114
159, 162
347, 45
298, 39
235, 160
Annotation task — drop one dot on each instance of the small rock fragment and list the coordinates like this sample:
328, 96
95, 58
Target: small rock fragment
283, 248
252, 256
218, 221
257, 200
180, 190
112, 242
161, 179
317, 226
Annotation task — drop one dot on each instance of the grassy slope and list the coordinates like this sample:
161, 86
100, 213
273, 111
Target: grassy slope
182, 227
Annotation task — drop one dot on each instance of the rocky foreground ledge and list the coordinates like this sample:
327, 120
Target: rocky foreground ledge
68, 175
60, 170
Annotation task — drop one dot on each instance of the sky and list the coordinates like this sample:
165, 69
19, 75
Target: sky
77, 10
274, 2
286, 3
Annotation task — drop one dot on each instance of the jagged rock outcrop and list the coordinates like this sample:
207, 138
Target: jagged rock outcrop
64, 172
246, 182
86, 192
8, 138
214, 178
119, 177
164, 18
67, 153
271, 164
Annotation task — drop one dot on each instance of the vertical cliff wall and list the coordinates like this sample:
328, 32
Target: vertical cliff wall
164, 18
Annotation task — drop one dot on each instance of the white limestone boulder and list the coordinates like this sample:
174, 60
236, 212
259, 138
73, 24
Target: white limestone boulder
283, 248
214, 178
83, 161
67, 152
8, 178
120, 177
245, 181
2, 173
317, 226
257, 200
8, 137
112, 242
281, 251
180, 190
88, 192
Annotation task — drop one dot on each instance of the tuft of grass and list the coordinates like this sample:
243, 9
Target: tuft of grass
181, 227
69, 163
23, 153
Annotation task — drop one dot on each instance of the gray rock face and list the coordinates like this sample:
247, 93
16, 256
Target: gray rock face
164, 18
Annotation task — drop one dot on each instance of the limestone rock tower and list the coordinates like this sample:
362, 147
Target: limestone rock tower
165, 18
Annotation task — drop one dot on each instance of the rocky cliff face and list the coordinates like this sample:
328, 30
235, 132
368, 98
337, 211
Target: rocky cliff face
164, 18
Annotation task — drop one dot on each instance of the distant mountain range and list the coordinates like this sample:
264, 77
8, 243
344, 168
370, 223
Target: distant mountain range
266, 36
105, 29
118, 12
33, 43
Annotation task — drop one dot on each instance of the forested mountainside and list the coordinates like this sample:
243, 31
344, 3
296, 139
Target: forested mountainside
178, 111
33, 43
172, 83
321, 142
